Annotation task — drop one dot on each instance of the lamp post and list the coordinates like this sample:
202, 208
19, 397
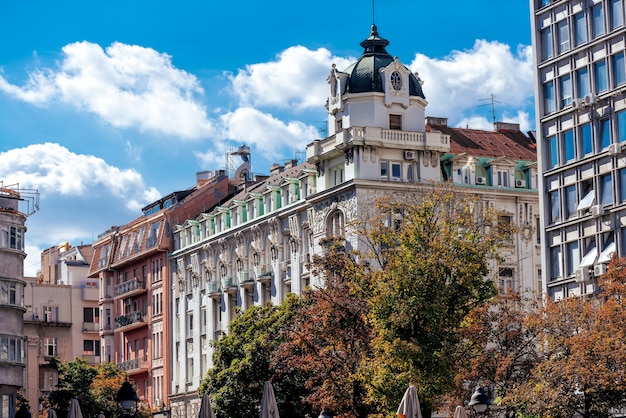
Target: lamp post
324, 414
127, 398
479, 402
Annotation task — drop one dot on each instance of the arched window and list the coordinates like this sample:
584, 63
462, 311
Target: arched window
335, 224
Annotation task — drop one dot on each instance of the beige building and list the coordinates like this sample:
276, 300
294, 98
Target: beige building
62, 321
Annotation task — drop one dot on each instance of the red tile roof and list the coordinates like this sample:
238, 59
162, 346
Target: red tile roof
513, 144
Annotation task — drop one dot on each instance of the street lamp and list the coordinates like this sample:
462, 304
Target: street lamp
127, 397
324, 414
480, 401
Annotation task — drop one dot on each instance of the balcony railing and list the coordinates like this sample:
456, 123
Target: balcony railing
133, 365
130, 286
92, 359
91, 326
229, 281
136, 317
245, 277
213, 286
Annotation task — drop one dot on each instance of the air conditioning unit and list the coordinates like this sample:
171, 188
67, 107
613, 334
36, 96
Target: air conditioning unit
577, 103
589, 99
409, 155
599, 270
481, 180
520, 184
615, 149
581, 274
597, 210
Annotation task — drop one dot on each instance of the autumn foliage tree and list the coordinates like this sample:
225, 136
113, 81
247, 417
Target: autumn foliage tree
498, 350
583, 343
328, 338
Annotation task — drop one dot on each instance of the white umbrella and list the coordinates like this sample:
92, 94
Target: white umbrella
74, 411
459, 412
52, 413
410, 404
268, 403
205, 407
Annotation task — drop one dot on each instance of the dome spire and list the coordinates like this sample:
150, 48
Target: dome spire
374, 44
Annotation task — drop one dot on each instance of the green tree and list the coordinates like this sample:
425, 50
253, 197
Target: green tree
328, 338
95, 388
242, 364
433, 251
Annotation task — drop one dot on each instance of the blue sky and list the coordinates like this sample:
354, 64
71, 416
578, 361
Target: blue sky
107, 106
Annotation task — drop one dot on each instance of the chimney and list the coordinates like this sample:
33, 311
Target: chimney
507, 126
202, 177
275, 169
291, 163
435, 121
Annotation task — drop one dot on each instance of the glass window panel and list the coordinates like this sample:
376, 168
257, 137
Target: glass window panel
573, 257
586, 139
563, 29
555, 261
617, 13
605, 133
589, 258
621, 125
568, 145
550, 105
607, 189
619, 71
571, 201
607, 253
598, 20
555, 208
587, 201
581, 28
553, 153
582, 77
601, 83
622, 186
548, 52
566, 90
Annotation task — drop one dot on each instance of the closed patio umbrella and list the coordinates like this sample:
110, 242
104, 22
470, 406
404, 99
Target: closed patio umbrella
74, 411
410, 404
459, 412
205, 407
268, 403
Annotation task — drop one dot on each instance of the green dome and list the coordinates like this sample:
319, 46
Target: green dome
364, 75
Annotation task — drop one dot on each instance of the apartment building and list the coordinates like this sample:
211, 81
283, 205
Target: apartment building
62, 319
15, 206
130, 263
580, 90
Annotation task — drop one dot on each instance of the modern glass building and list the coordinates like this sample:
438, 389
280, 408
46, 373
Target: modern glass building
580, 91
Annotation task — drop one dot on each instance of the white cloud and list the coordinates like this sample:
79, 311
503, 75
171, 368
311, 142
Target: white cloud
125, 85
456, 85
54, 170
294, 80
268, 134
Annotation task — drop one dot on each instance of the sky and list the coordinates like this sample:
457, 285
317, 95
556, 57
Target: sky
106, 106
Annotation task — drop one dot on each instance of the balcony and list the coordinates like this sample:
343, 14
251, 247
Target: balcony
130, 321
106, 330
246, 279
214, 289
130, 288
134, 366
263, 273
91, 359
91, 327
229, 284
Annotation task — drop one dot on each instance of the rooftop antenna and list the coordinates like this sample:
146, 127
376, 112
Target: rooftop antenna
493, 100
373, 20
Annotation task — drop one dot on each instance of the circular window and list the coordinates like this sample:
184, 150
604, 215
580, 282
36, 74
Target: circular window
396, 80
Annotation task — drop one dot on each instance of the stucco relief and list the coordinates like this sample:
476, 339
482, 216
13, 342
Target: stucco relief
346, 202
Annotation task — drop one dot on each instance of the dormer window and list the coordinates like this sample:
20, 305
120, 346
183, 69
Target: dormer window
395, 122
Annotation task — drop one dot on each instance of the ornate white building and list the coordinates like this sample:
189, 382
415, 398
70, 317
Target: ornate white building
254, 248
